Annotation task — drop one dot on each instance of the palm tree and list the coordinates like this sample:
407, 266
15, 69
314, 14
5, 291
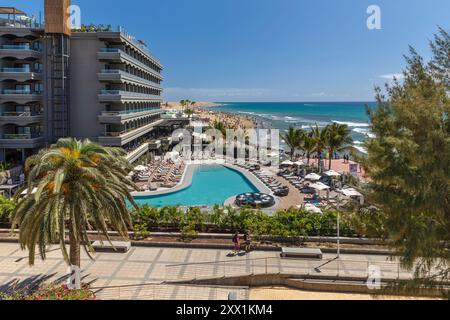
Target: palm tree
338, 139
293, 139
184, 103
319, 138
189, 112
219, 125
192, 103
78, 185
308, 145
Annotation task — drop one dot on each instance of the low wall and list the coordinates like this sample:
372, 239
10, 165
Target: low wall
309, 283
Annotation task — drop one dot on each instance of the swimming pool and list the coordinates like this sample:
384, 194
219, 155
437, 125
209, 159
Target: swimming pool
211, 185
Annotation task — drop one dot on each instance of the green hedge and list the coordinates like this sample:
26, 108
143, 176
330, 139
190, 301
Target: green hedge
285, 223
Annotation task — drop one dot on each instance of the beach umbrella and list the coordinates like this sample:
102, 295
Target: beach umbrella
140, 168
319, 186
299, 163
332, 173
312, 208
287, 163
351, 193
313, 177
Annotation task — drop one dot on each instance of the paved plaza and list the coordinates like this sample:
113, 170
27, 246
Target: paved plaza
139, 274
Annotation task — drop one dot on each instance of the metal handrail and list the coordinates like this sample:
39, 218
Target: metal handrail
13, 91
25, 136
21, 114
19, 70
274, 265
25, 47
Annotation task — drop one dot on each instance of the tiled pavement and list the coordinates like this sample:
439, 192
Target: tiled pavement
139, 273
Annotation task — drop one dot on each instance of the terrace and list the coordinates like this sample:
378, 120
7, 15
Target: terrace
11, 17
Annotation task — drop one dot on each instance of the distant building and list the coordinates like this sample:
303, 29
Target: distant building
92, 83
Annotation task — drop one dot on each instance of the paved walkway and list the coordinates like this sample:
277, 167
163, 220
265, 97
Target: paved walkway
138, 273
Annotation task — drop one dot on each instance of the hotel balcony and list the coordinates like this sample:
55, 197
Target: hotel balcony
123, 38
120, 76
126, 96
137, 153
21, 118
19, 51
120, 138
19, 74
22, 141
118, 117
118, 56
20, 96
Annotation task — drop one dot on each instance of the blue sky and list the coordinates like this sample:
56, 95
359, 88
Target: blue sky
271, 50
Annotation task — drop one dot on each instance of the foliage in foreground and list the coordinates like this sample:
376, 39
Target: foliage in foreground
79, 185
285, 223
51, 292
409, 162
6, 208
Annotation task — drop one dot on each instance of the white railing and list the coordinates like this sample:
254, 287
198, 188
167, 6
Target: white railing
247, 267
159, 291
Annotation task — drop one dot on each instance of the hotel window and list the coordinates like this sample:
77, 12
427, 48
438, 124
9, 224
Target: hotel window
25, 88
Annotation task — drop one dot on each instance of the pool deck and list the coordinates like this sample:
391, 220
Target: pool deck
186, 179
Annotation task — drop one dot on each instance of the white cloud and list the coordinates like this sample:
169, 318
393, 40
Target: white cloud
392, 76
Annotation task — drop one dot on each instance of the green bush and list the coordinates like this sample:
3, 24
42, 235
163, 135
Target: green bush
6, 208
51, 292
284, 223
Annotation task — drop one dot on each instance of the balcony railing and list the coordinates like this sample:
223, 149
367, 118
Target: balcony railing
128, 93
110, 50
19, 70
21, 114
132, 76
25, 47
114, 133
29, 23
13, 91
136, 61
24, 136
118, 113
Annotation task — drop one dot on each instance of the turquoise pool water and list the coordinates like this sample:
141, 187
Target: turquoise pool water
211, 185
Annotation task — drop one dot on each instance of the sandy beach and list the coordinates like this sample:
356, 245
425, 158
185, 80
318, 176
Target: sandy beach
174, 105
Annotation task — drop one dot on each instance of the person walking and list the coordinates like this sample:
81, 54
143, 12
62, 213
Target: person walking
236, 242
248, 242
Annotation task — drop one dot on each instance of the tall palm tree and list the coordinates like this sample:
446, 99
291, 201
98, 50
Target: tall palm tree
293, 139
338, 139
189, 112
219, 125
308, 145
319, 138
79, 185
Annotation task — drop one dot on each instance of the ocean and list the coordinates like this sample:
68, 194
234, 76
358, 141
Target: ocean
282, 115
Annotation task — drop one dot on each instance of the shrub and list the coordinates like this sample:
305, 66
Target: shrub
6, 208
52, 292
